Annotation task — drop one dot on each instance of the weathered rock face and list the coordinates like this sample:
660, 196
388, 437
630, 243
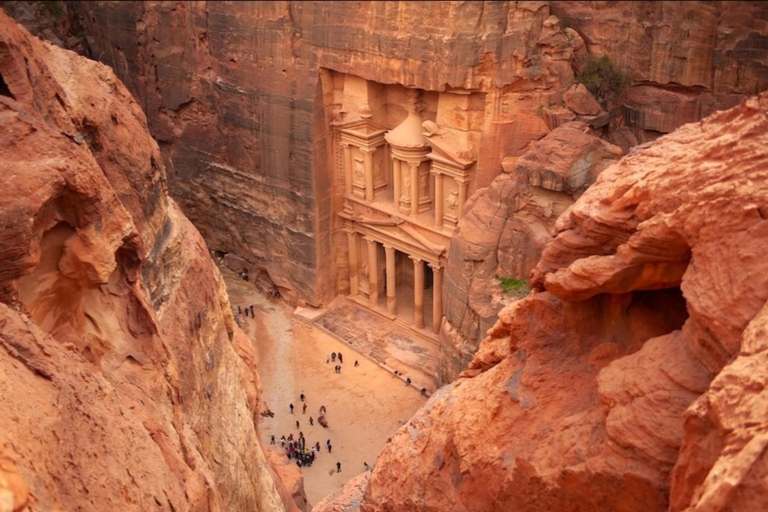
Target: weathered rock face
597, 392
692, 57
234, 94
132, 388
505, 230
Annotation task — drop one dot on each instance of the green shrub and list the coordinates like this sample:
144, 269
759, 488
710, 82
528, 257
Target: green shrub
56, 9
602, 79
514, 286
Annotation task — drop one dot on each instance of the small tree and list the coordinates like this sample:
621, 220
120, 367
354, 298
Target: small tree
602, 79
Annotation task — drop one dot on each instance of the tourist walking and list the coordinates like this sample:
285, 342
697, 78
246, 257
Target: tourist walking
297, 423
272, 441
329, 447
291, 408
302, 396
333, 356
338, 467
251, 310
356, 363
310, 421
340, 358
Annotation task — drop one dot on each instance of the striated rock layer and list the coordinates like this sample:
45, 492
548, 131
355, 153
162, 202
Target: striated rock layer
236, 93
131, 388
632, 379
505, 230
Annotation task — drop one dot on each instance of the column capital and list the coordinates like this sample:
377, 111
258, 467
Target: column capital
387, 246
415, 259
345, 144
413, 163
368, 239
436, 267
368, 151
350, 231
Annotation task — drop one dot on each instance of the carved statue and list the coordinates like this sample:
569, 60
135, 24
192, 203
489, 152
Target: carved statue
423, 184
452, 201
430, 128
359, 171
406, 195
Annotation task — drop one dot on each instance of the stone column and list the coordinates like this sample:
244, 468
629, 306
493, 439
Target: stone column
396, 180
391, 280
347, 169
418, 292
438, 200
414, 187
354, 269
462, 195
368, 153
437, 296
373, 273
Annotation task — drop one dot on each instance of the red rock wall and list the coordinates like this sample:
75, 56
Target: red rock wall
127, 384
233, 92
631, 379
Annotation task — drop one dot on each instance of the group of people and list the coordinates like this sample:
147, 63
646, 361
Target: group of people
296, 449
333, 357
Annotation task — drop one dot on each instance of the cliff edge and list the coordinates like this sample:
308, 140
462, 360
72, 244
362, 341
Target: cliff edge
131, 387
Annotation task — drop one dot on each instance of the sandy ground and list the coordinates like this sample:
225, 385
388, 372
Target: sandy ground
365, 404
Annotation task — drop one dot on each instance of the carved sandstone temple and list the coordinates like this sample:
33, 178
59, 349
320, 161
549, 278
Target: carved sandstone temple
407, 159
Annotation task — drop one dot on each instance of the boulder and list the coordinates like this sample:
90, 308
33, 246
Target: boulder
581, 101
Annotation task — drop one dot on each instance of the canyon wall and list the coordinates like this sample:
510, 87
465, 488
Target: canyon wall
632, 378
128, 385
237, 95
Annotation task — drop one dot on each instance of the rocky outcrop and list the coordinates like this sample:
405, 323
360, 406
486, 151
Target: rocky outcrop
131, 388
630, 380
238, 95
505, 230
692, 58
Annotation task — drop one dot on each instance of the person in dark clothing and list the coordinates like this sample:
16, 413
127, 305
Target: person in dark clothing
272, 441
329, 447
251, 310
338, 467
356, 363
340, 358
291, 408
297, 423
408, 381
302, 396
310, 421
304, 409
333, 356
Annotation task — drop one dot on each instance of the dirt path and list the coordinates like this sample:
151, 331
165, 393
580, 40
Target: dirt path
365, 404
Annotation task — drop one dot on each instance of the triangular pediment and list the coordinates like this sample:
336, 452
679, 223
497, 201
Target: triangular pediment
362, 129
452, 148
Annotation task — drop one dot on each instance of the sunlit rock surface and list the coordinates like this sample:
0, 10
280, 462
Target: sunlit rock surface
127, 385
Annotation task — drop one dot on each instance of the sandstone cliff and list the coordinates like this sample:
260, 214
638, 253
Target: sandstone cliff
631, 380
234, 92
127, 385
505, 230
